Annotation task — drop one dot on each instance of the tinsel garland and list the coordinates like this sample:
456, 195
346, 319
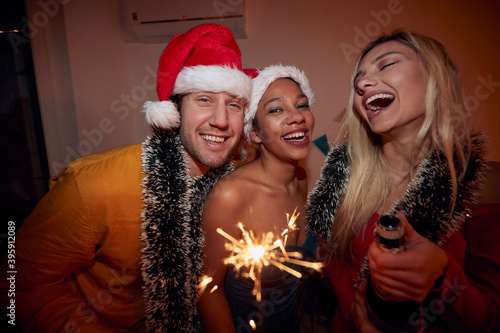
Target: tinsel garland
172, 238
426, 202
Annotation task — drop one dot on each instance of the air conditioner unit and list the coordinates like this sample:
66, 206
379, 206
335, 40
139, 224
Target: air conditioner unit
156, 21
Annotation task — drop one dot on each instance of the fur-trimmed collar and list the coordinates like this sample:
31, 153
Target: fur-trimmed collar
171, 237
426, 202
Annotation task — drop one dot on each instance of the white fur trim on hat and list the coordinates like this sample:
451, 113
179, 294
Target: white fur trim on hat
162, 114
267, 76
213, 79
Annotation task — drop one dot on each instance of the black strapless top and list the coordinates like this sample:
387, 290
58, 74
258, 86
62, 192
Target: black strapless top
278, 309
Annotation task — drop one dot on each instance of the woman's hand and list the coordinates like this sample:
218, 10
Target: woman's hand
359, 312
408, 275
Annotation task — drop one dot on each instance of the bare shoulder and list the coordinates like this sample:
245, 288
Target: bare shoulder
231, 189
228, 199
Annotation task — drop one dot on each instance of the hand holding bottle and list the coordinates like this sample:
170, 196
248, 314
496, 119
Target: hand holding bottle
409, 274
390, 233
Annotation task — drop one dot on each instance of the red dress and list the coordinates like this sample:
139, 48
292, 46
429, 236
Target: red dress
468, 298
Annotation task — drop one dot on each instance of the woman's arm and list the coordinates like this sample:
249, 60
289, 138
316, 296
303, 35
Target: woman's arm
465, 298
220, 211
470, 293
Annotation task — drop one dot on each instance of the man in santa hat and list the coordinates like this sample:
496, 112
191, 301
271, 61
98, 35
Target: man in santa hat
116, 244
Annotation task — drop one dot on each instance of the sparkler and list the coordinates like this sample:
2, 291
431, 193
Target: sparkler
291, 226
252, 324
254, 253
204, 281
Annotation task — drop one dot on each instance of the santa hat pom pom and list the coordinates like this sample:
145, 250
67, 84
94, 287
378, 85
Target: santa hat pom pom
162, 114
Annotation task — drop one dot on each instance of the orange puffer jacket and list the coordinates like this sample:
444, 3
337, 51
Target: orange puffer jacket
77, 256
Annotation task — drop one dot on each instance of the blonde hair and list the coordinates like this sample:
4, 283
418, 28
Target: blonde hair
446, 128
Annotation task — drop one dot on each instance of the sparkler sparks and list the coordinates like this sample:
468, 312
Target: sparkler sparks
254, 253
291, 226
204, 281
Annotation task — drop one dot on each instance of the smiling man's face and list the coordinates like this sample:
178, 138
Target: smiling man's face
211, 126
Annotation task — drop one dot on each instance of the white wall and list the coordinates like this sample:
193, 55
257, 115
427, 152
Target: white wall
110, 79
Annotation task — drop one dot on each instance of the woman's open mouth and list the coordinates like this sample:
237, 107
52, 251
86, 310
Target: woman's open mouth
377, 102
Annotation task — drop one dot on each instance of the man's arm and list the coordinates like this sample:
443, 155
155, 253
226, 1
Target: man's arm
54, 243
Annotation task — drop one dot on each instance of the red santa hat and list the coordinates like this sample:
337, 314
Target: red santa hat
263, 79
206, 58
